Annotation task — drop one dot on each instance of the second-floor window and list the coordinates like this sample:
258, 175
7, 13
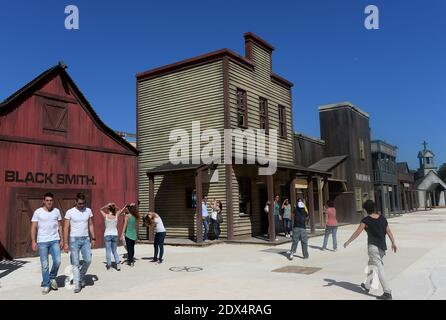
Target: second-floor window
242, 109
282, 121
263, 111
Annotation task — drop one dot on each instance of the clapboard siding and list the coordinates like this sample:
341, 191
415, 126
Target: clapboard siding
170, 102
258, 84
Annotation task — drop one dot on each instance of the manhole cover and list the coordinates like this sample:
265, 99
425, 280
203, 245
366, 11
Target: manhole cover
297, 269
185, 269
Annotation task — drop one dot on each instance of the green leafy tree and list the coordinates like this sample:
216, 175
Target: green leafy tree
442, 172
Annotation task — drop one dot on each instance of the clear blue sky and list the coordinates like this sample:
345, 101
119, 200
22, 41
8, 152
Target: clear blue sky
396, 74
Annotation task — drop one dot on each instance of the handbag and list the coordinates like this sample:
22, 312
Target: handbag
219, 217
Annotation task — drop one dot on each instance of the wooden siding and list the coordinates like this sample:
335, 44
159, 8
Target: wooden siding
258, 84
171, 102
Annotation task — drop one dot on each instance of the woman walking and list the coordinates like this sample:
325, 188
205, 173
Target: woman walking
286, 207
331, 225
130, 233
152, 219
111, 215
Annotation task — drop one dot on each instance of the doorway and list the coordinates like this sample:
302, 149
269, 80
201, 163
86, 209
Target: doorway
27, 201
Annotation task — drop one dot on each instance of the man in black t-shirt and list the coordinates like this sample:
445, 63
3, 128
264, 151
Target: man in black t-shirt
376, 227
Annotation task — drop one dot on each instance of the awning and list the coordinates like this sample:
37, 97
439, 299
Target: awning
328, 163
170, 167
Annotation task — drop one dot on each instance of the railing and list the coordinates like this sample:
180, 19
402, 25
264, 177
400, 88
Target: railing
384, 177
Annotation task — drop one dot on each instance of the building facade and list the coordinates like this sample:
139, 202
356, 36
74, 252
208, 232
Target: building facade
431, 189
220, 90
406, 187
385, 177
51, 140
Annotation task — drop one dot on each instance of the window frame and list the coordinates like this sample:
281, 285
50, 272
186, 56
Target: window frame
282, 122
242, 108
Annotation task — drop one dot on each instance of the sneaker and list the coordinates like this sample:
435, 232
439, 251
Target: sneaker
306, 257
154, 260
160, 261
77, 289
83, 283
118, 267
45, 290
53, 284
365, 288
277, 239
291, 256
335, 250
385, 296
132, 264
108, 267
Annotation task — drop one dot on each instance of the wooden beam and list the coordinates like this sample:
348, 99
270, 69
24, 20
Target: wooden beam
199, 192
320, 202
229, 212
150, 232
293, 197
271, 226
311, 203
326, 193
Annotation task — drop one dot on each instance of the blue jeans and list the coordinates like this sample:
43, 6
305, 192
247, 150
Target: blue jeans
287, 225
111, 246
159, 244
300, 234
80, 244
276, 224
206, 228
52, 248
333, 231
216, 228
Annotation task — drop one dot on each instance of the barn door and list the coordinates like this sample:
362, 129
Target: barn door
28, 200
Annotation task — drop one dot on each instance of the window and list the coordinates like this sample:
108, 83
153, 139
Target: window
55, 118
191, 198
358, 196
282, 122
361, 149
242, 109
244, 187
428, 160
263, 111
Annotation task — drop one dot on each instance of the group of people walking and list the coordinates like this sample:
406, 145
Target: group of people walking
76, 234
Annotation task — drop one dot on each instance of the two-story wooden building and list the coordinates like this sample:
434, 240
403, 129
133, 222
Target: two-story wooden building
220, 90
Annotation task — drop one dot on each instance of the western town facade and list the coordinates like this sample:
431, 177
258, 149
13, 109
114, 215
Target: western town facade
51, 140
223, 90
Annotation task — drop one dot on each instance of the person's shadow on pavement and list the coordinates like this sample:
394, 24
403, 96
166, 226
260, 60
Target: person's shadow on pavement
348, 286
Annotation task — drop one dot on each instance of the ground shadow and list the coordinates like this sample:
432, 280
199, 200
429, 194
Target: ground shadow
148, 258
320, 248
9, 266
90, 279
348, 286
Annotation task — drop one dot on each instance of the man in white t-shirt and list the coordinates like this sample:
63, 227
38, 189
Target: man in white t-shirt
46, 236
78, 223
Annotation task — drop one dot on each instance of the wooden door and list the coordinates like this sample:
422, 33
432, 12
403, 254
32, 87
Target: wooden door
27, 201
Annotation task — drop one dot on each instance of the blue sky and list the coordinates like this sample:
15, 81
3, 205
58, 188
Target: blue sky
396, 73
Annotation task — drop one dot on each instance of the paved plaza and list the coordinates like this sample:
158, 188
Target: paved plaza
245, 271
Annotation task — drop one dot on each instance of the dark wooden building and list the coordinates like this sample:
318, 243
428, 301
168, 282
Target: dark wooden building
51, 139
406, 186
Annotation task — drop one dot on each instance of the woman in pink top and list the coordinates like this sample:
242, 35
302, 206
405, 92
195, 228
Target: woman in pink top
331, 225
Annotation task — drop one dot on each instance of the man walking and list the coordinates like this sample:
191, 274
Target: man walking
299, 230
377, 227
46, 236
205, 217
78, 223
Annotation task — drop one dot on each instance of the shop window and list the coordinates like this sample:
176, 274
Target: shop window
55, 118
242, 109
244, 187
191, 198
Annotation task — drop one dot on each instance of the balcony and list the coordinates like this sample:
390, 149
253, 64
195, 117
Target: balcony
384, 177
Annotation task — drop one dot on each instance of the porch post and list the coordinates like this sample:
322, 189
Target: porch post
271, 226
320, 202
326, 191
311, 203
150, 232
199, 192
293, 195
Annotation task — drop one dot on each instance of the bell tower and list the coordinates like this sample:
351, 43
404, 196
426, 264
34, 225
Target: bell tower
426, 158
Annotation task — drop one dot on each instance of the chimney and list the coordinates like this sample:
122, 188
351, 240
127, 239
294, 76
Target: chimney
252, 39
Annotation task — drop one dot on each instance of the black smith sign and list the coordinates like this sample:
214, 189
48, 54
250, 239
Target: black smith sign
48, 178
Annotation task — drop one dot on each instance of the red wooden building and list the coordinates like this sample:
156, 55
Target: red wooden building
52, 140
